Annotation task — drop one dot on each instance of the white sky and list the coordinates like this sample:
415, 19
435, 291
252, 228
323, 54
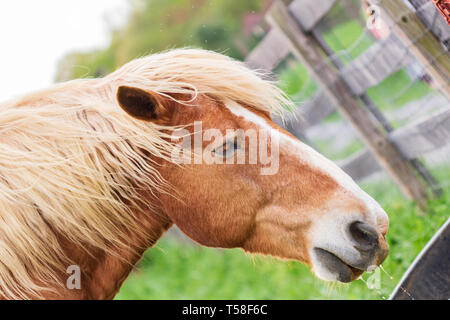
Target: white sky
35, 35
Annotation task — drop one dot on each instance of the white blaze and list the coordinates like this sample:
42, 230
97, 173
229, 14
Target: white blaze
330, 232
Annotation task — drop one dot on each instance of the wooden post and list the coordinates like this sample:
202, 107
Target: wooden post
373, 109
428, 277
306, 49
421, 42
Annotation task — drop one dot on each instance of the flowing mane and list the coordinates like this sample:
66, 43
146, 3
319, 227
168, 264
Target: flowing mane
72, 161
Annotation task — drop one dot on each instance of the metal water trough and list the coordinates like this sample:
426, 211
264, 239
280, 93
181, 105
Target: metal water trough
428, 277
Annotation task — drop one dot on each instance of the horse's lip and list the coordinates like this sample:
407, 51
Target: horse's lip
344, 271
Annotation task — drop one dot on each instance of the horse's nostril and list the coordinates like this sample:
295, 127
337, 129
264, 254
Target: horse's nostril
365, 236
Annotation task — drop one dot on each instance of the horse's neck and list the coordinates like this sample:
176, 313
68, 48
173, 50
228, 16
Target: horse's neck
110, 272
104, 276
102, 273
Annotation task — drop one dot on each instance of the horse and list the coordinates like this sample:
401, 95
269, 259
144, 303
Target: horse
94, 171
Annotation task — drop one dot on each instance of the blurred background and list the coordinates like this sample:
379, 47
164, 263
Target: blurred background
381, 63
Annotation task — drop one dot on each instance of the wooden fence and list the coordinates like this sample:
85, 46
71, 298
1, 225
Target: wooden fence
295, 31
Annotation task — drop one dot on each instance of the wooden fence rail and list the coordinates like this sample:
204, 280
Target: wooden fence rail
309, 13
376, 64
424, 136
270, 51
414, 140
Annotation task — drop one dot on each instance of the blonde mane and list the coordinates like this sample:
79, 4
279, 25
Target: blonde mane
72, 162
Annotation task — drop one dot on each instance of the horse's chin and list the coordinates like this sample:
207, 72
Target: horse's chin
335, 269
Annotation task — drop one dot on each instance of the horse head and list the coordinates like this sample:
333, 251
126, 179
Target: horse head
245, 182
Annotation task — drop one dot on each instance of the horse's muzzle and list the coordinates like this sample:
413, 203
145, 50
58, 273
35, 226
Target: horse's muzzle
372, 249
371, 245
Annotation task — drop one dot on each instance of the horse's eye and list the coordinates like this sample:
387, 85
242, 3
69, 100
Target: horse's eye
227, 149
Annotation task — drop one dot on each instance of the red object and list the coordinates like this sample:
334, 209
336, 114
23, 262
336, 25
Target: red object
444, 8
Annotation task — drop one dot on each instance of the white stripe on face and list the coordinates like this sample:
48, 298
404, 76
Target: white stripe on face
314, 159
330, 232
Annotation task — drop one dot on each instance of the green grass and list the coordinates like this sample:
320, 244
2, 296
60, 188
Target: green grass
348, 36
175, 270
397, 90
296, 82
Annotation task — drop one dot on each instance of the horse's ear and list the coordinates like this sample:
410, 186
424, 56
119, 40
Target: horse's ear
139, 103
